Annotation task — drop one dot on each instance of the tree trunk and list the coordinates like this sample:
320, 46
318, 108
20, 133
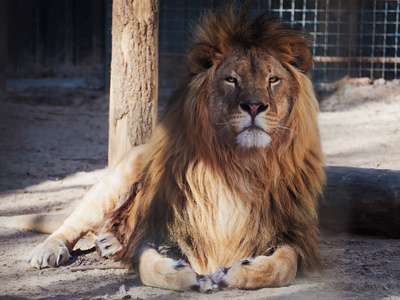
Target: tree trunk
364, 201
134, 75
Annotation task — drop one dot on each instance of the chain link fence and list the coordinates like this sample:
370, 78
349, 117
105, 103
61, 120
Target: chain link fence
358, 38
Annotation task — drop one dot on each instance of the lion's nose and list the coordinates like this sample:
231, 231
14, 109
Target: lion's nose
253, 108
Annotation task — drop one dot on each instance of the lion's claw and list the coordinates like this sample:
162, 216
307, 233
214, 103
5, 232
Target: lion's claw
50, 254
107, 245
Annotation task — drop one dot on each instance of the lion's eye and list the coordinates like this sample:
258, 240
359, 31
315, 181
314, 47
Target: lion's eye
231, 79
273, 79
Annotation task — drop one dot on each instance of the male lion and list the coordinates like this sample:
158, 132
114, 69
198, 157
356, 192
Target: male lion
224, 194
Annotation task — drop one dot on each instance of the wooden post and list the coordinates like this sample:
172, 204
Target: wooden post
134, 75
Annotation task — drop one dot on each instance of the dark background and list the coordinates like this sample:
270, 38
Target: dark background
71, 39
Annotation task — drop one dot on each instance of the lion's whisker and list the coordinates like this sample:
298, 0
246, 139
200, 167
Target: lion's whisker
285, 127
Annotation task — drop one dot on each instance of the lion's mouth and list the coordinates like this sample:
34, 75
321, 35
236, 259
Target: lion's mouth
252, 128
253, 136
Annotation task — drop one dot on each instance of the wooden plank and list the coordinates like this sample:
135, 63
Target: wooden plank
55, 41
107, 45
3, 43
40, 33
69, 33
89, 32
25, 35
98, 13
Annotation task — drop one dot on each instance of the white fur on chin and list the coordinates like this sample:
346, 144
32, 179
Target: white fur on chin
253, 138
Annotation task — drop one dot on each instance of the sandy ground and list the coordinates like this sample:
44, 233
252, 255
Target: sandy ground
51, 154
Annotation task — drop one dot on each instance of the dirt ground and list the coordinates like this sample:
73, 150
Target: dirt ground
52, 151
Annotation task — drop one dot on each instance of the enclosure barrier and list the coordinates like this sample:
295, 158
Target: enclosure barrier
358, 38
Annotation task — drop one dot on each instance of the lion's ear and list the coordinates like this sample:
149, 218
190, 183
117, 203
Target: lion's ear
302, 57
201, 58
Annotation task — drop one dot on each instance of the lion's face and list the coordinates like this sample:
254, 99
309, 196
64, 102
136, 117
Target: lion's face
251, 98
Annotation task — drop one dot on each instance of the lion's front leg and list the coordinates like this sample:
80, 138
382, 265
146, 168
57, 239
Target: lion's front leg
90, 213
159, 271
276, 270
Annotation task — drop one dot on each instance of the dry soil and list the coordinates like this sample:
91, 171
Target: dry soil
52, 152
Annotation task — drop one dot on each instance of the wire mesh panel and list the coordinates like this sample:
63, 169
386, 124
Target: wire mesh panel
358, 38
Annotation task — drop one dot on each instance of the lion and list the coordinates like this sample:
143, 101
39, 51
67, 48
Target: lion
224, 194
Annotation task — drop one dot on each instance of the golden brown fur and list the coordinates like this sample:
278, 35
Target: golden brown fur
228, 183
215, 201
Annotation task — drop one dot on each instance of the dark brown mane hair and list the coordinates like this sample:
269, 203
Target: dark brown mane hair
285, 178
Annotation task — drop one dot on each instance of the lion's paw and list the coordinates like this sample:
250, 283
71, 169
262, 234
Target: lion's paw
204, 285
224, 277
108, 245
219, 278
50, 254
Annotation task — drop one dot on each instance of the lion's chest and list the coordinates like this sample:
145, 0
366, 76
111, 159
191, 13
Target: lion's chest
222, 224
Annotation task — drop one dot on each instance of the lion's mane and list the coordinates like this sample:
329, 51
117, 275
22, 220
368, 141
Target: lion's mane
275, 187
